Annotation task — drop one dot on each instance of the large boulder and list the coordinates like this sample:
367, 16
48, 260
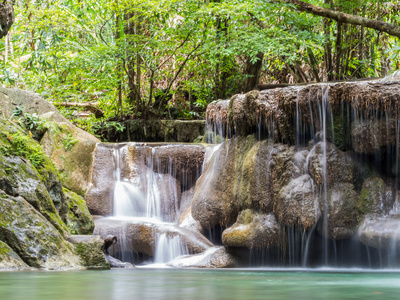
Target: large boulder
90, 250
252, 230
9, 260
243, 174
297, 203
78, 219
32, 237
381, 233
69, 147
27, 171
139, 236
71, 150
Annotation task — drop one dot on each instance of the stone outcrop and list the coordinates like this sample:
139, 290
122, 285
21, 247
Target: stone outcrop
167, 170
78, 219
69, 147
139, 236
252, 230
90, 250
9, 260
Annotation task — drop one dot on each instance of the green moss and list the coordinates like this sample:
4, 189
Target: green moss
91, 256
78, 220
68, 141
4, 249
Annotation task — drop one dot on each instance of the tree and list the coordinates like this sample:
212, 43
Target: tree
7, 17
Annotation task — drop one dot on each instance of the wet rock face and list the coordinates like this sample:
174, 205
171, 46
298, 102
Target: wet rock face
180, 161
342, 211
9, 260
252, 230
90, 250
78, 219
140, 237
336, 162
19, 178
7, 18
100, 193
380, 233
370, 136
297, 203
32, 237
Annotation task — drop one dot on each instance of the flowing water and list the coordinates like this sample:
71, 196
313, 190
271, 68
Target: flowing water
174, 284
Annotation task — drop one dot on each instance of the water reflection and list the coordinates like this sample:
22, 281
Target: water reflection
198, 284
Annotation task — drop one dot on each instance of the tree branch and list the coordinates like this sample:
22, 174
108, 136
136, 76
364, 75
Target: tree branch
338, 16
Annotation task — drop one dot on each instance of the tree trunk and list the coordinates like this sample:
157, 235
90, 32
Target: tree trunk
252, 71
7, 17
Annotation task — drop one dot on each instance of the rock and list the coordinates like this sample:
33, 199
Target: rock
32, 237
116, 263
71, 150
18, 177
9, 260
252, 230
187, 221
140, 236
342, 211
275, 109
376, 197
99, 197
69, 147
78, 219
30, 102
381, 233
336, 162
184, 162
297, 203
7, 18
244, 173
215, 257
369, 136
90, 250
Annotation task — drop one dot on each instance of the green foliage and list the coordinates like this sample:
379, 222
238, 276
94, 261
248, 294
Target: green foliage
21, 145
68, 142
119, 53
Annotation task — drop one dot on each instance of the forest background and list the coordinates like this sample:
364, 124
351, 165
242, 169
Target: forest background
146, 59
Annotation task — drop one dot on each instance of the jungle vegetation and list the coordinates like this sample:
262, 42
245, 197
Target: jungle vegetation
105, 61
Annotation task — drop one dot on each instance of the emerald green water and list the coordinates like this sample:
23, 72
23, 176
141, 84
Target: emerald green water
198, 284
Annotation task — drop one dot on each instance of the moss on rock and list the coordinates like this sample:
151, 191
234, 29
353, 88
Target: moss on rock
9, 260
79, 220
32, 237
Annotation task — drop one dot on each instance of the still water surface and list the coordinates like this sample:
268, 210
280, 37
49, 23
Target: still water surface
198, 284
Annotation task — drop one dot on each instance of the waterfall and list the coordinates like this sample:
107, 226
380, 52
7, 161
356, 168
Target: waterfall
169, 248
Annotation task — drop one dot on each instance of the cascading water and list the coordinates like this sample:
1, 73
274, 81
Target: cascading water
147, 196
310, 179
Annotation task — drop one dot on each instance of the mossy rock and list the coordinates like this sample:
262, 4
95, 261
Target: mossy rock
9, 260
252, 230
79, 220
20, 176
70, 149
90, 250
32, 237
